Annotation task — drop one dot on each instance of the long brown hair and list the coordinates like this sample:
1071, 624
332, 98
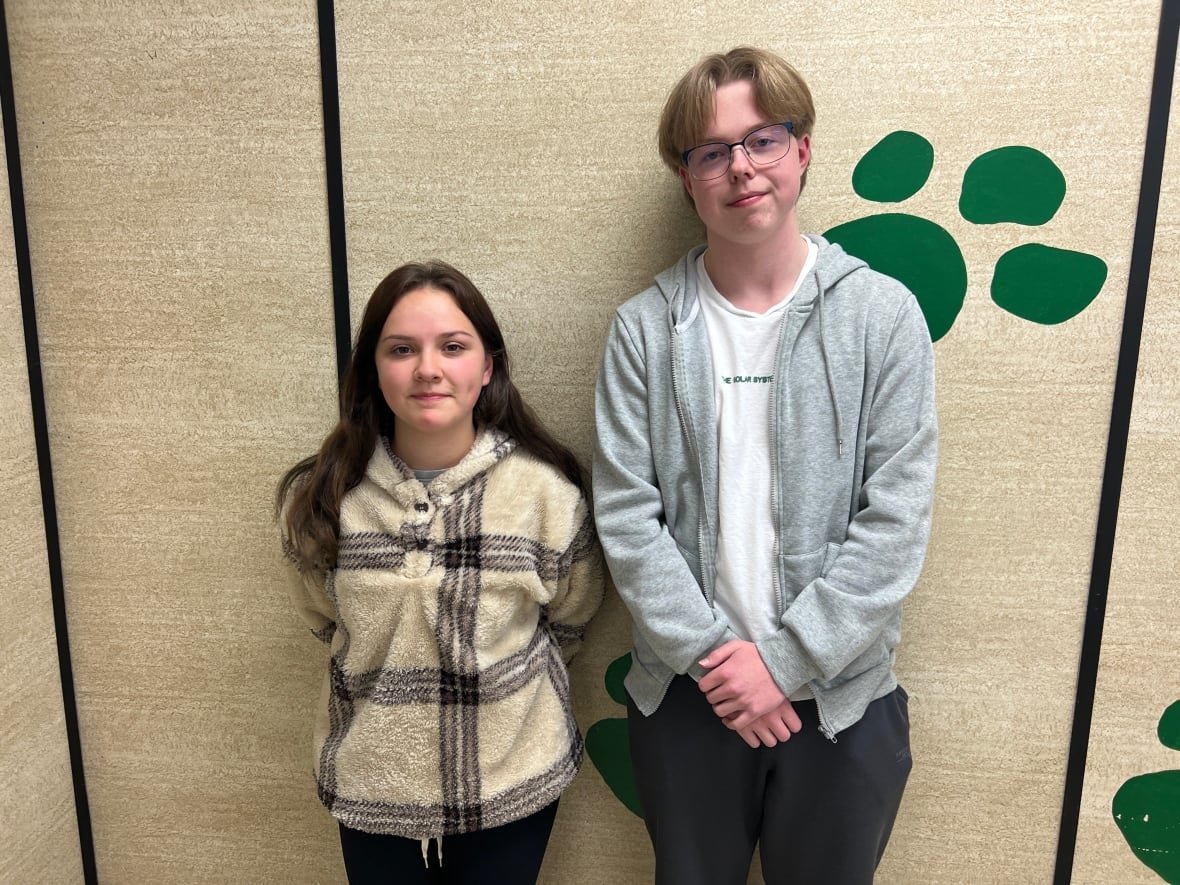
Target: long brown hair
310, 493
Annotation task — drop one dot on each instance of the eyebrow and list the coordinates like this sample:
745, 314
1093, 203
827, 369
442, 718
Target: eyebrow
455, 334
717, 139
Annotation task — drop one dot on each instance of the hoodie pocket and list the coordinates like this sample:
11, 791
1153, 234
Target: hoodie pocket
800, 569
693, 560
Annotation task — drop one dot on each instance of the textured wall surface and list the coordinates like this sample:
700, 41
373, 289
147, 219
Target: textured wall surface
518, 141
1140, 664
174, 173
40, 842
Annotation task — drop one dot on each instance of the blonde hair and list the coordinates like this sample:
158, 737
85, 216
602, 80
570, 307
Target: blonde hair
780, 92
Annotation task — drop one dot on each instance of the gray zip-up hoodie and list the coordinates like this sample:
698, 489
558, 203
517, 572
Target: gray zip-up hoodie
854, 445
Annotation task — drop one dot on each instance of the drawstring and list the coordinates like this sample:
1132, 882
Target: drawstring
425, 843
823, 347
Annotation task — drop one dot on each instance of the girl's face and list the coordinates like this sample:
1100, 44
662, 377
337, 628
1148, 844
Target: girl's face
431, 367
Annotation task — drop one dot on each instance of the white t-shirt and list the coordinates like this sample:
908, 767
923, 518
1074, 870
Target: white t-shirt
743, 345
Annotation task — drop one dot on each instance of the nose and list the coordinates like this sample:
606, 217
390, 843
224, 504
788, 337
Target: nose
427, 365
740, 163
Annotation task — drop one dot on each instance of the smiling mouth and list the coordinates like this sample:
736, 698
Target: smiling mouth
745, 199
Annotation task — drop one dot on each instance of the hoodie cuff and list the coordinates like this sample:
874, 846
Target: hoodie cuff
695, 670
788, 667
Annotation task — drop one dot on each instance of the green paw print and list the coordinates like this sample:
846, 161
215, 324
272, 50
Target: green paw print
1017, 185
606, 741
1147, 808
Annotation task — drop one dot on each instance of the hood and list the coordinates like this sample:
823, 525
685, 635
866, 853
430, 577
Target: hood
832, 264
391, 472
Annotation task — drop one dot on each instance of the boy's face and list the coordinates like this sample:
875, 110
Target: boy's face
750, 204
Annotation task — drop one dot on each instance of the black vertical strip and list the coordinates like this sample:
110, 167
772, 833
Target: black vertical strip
20, 235
1120, 423
330, 90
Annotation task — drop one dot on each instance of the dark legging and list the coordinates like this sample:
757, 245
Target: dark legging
507, 855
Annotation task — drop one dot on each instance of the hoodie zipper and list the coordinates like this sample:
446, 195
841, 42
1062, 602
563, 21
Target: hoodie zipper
776, 463
706, 578
825, 727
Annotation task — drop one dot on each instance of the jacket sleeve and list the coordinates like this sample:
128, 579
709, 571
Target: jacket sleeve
311, 603
655, 582
580, 584
308, 593
842, 613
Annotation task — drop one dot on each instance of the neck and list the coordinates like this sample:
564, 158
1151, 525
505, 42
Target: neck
757, 276
431, 451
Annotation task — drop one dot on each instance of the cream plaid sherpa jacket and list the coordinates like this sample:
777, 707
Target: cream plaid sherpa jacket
446, 705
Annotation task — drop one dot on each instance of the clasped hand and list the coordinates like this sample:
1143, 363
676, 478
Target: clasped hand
745, 696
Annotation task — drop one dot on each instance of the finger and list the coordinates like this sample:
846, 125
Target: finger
726, 715
715, 678
766, 736
741, 720
719, 694
729, 708
750, 739
780, 729
791, 718
719, 654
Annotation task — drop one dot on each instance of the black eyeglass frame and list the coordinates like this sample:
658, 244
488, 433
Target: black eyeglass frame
786, 124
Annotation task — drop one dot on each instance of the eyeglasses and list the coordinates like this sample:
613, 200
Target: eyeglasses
763, 146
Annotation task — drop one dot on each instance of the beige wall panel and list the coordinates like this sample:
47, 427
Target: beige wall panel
37, 818
517, 141
175, 180
1139, 675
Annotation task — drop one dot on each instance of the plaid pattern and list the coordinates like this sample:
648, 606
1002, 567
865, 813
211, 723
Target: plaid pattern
496, 536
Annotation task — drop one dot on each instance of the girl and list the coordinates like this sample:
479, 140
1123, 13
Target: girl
441, 546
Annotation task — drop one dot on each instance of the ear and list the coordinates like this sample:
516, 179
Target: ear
487, 370
686, 180
804, 152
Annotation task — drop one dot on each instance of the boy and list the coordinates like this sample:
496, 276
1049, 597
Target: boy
763, 477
